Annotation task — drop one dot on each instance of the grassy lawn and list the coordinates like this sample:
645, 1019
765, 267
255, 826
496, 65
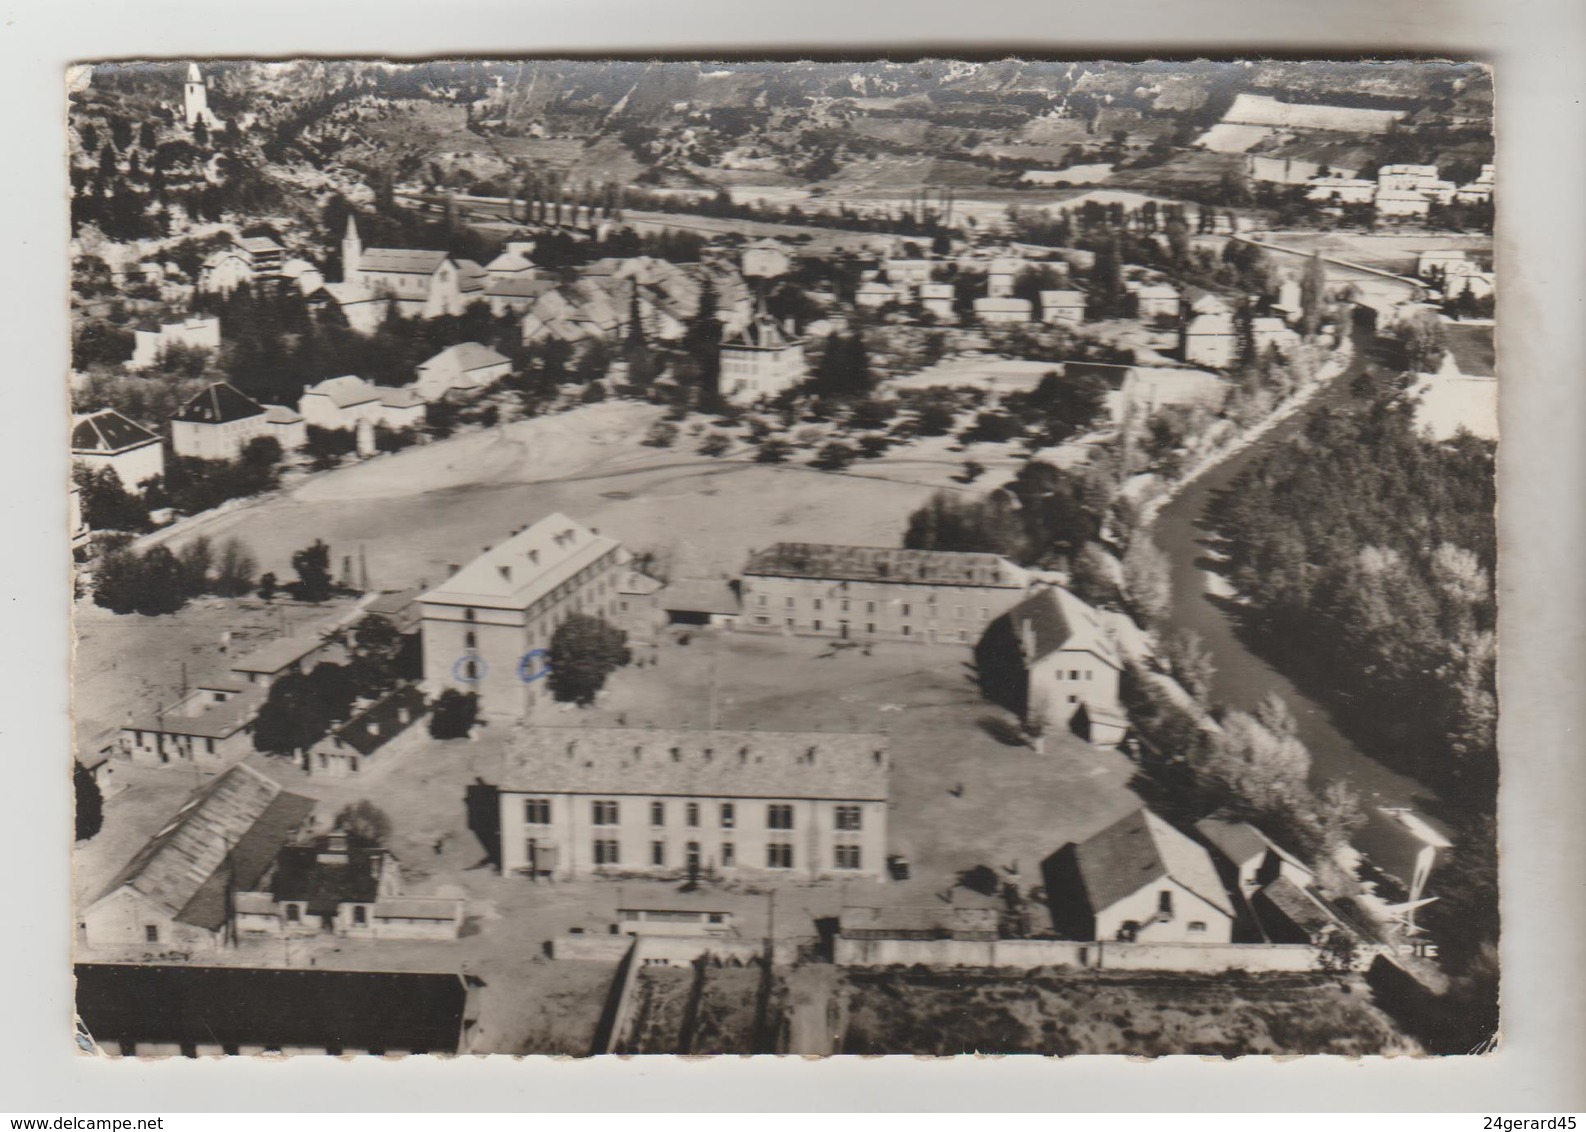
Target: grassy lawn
1146, 1015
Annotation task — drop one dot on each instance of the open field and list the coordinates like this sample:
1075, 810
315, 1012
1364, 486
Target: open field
1396, 253
1149, 1015
413, 513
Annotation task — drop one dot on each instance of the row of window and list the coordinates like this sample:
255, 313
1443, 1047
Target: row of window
606, 811
818, 625
778, 854
845, 605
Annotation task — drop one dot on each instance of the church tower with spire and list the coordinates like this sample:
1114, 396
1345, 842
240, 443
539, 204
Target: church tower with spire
351, 253
195, 98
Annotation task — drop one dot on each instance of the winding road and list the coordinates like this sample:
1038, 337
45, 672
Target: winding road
1243, 677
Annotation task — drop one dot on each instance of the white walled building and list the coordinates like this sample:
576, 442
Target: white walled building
218, 422
348, 402
762, 362
106, 439
192, 333
1146, 882
579, 801
484, 625
1211, 340
1071, 666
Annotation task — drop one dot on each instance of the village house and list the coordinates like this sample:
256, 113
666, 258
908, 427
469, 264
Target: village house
1248, 858
678, 803
247, 258
269, 662
674, 914
874, 294
516, 296
1157, 300
1211, 340
424, 284
1341, 190
1003, 309
150, 346
1144, 881
218, 422
909, 272
486, 626
1063, 307
106, 439
1478, 191
937, 299
700, 601
175, 892
1000, 276
1070, 665
1480, 284
210, 726
349, 402
1138, 391
766, 259
638, 606
877, 593
337, 884
1402, 202
1271, 333
1406, 178
514, 261
763, 362
465, 367
1435, 263
347, 749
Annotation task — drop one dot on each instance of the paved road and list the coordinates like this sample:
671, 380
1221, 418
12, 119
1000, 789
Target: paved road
1243, 678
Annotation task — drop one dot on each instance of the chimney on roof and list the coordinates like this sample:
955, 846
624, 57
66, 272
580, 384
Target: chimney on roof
506, 573
677, 754
534, 557
709, 754
572, 747
809, 756
452, 568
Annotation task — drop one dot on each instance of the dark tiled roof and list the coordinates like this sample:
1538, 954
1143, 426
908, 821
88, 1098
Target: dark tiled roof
251, 858
401, 261
1237, 841
374, 1010
353, 876
884, 564
697, 764
108, 432
225, 835
1138, 849
218, 404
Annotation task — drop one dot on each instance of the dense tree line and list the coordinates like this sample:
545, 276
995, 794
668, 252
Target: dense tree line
158, 580
1369, 550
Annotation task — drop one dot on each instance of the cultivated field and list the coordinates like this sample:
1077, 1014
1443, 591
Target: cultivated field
1149, 1015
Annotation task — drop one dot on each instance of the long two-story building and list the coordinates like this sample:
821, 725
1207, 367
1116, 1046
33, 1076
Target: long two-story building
485, 628
578, 801
870, 593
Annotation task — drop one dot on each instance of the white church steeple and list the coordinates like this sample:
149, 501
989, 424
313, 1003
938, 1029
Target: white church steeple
195, 98
351, 252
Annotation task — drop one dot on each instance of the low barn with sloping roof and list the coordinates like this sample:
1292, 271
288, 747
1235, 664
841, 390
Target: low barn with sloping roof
582, 800
179, 888
1145, 881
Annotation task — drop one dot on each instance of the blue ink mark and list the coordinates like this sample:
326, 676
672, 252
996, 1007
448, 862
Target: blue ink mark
470, 669
535, 665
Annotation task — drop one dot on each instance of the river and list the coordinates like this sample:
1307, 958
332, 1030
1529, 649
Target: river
1242, 677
